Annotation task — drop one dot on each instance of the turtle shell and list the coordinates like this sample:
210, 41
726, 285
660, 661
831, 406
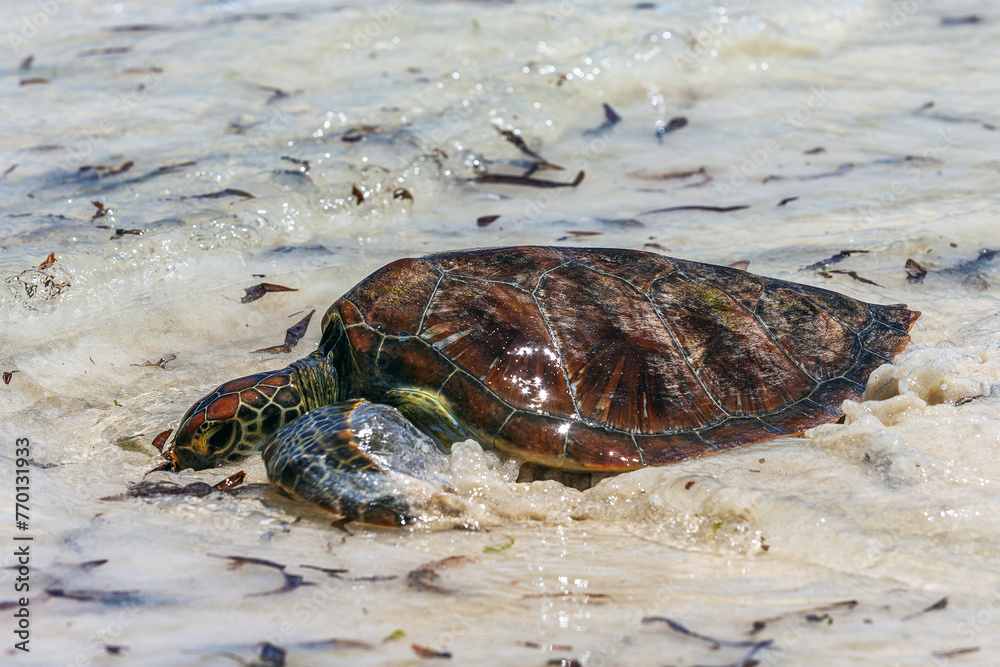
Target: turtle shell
605, 359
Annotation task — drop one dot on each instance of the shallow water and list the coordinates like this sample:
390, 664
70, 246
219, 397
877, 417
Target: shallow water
894, 509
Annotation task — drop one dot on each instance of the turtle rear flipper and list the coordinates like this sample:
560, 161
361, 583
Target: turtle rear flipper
347, 457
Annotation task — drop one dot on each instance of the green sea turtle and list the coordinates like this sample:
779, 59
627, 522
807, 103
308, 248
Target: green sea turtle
579, 359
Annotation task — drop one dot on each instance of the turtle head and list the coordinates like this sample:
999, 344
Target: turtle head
235, 419
238, 417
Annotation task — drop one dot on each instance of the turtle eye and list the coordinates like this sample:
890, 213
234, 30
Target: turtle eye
220, 440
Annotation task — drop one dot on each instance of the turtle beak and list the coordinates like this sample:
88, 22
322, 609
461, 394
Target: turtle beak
184, 458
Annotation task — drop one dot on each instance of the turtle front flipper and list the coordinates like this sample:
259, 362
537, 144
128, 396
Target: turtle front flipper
348, 458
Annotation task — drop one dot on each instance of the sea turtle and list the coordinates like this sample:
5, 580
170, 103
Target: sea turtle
579, 359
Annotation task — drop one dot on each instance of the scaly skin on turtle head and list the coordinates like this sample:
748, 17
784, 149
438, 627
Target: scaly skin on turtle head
236, 419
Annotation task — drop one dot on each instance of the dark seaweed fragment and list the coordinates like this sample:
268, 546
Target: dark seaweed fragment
485, 220
839, 171
8, 375
334, 572
956, 652
611, 118
162, 363
193, 490
937, 115
257, 291
276, 93
291, 581
672, 126
711, 209
319, 644
292, 336
89, 565
425, 577
787, 200
748, 659
138, 27
228, 192
162, 171
112, 598
359, 133
104, 51
375, 578
358, 194
507, 179
143, 70
970, 19
34, 81
402, 193
668, 176
25, 64
677, 627
839, 257
101, 210
937, 606
103, 170
515, 138
621, 222
834, 606
304, 164
122, 232
855, 276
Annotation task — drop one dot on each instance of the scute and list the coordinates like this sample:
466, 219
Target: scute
393, 298
495, 332
816, 340
520, 266
625, 370
743, 369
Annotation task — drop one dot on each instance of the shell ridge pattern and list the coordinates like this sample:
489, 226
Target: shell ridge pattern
430, 298
552, 336
831, 315
447, 379
687, 361
770, 334
819, 382
559, 354
648, 297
